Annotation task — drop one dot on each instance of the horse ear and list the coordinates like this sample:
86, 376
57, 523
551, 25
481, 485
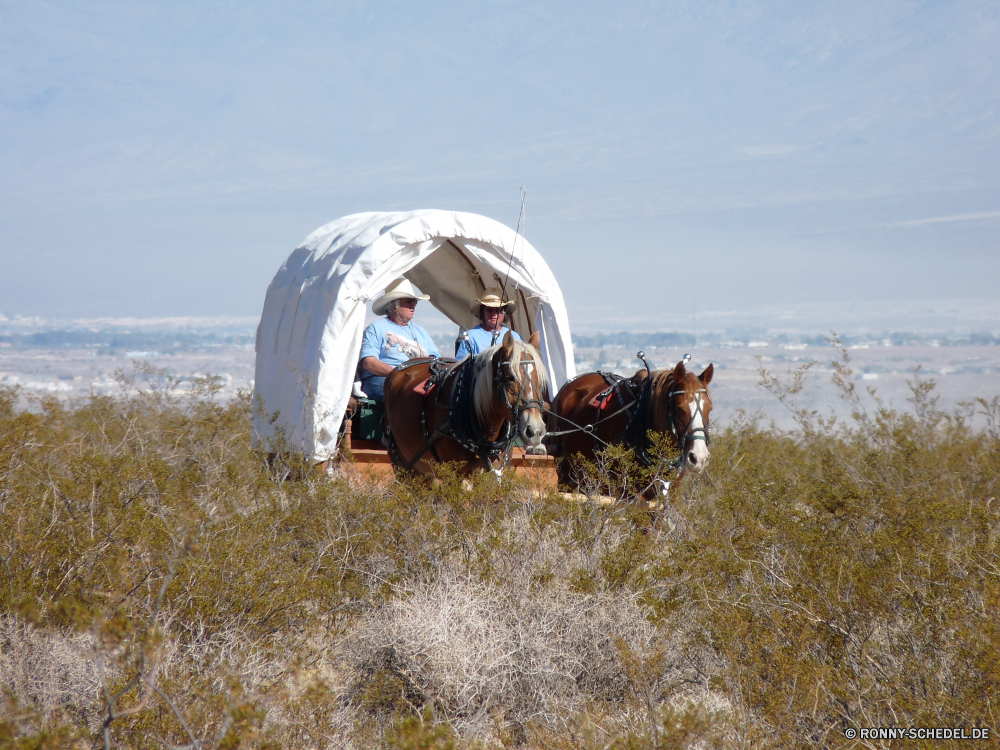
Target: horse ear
706, 377
535, 339
508, 342
679, 372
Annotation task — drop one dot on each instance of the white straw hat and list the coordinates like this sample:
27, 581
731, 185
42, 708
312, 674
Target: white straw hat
492, 297
398, 289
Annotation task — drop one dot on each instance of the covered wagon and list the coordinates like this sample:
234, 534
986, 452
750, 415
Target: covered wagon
310, 332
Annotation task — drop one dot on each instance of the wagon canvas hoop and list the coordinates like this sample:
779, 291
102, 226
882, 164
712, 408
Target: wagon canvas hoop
309, 337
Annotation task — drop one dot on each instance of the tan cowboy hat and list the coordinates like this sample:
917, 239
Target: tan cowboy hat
398, 289
492, 297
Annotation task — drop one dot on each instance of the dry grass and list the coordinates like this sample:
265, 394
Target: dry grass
162, 585
50, 674
471, 648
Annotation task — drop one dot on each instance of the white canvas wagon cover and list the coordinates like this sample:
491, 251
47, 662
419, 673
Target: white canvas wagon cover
309, 337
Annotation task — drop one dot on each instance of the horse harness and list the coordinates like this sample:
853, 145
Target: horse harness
639, 411
689, 433
460, 423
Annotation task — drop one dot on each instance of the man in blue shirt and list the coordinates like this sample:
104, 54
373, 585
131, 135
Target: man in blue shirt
492, 309
393, 340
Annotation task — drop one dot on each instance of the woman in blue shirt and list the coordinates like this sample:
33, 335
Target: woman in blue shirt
492, 310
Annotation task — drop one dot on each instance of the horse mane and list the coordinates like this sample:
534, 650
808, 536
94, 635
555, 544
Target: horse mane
663, 384
483, 395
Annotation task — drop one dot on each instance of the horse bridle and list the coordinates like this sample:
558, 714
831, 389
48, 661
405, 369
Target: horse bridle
689, 434
634, 409
502, 383
486, 449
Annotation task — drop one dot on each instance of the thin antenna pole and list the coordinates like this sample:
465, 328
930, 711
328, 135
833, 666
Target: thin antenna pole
519, 232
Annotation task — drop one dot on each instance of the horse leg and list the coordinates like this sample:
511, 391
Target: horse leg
473, 465
664, 497
425, 467
565, 471
429, 467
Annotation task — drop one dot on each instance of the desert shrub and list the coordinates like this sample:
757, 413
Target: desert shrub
164, 584
468, 648
848, 572
48, 674
420, 733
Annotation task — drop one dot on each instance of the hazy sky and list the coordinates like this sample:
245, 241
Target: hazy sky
165, 158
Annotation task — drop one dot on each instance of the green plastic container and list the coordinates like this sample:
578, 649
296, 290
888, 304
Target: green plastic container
367, 422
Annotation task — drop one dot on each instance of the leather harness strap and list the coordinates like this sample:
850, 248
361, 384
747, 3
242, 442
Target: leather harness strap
602, 399
639, 410
451, 386
599, 402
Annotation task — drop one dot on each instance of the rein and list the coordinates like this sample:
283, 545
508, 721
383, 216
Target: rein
639, 415
615, 389
461, 423
502, 383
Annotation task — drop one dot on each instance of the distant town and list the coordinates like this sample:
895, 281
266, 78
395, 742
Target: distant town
74, 359
153, 343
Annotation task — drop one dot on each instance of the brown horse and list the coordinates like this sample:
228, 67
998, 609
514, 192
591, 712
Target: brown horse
470, 411
596, 410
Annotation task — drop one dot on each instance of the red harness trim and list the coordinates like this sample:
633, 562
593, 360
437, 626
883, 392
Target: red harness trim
602, 399
423, 389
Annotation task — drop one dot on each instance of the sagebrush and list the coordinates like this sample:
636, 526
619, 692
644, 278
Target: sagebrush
164, 585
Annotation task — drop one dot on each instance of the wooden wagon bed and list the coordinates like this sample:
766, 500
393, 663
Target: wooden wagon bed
368, 459
371, 458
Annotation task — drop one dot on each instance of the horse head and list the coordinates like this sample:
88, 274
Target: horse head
681, 406
515, 386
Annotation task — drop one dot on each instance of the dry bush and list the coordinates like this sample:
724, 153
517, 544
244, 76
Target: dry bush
848, 572
505, 633
470, 648
48, 675
161, 584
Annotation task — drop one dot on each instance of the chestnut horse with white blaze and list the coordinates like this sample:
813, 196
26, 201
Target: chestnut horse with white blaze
470, 411
599, 409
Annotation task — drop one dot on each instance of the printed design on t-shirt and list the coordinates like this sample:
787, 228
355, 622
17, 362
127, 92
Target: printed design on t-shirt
409, 348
